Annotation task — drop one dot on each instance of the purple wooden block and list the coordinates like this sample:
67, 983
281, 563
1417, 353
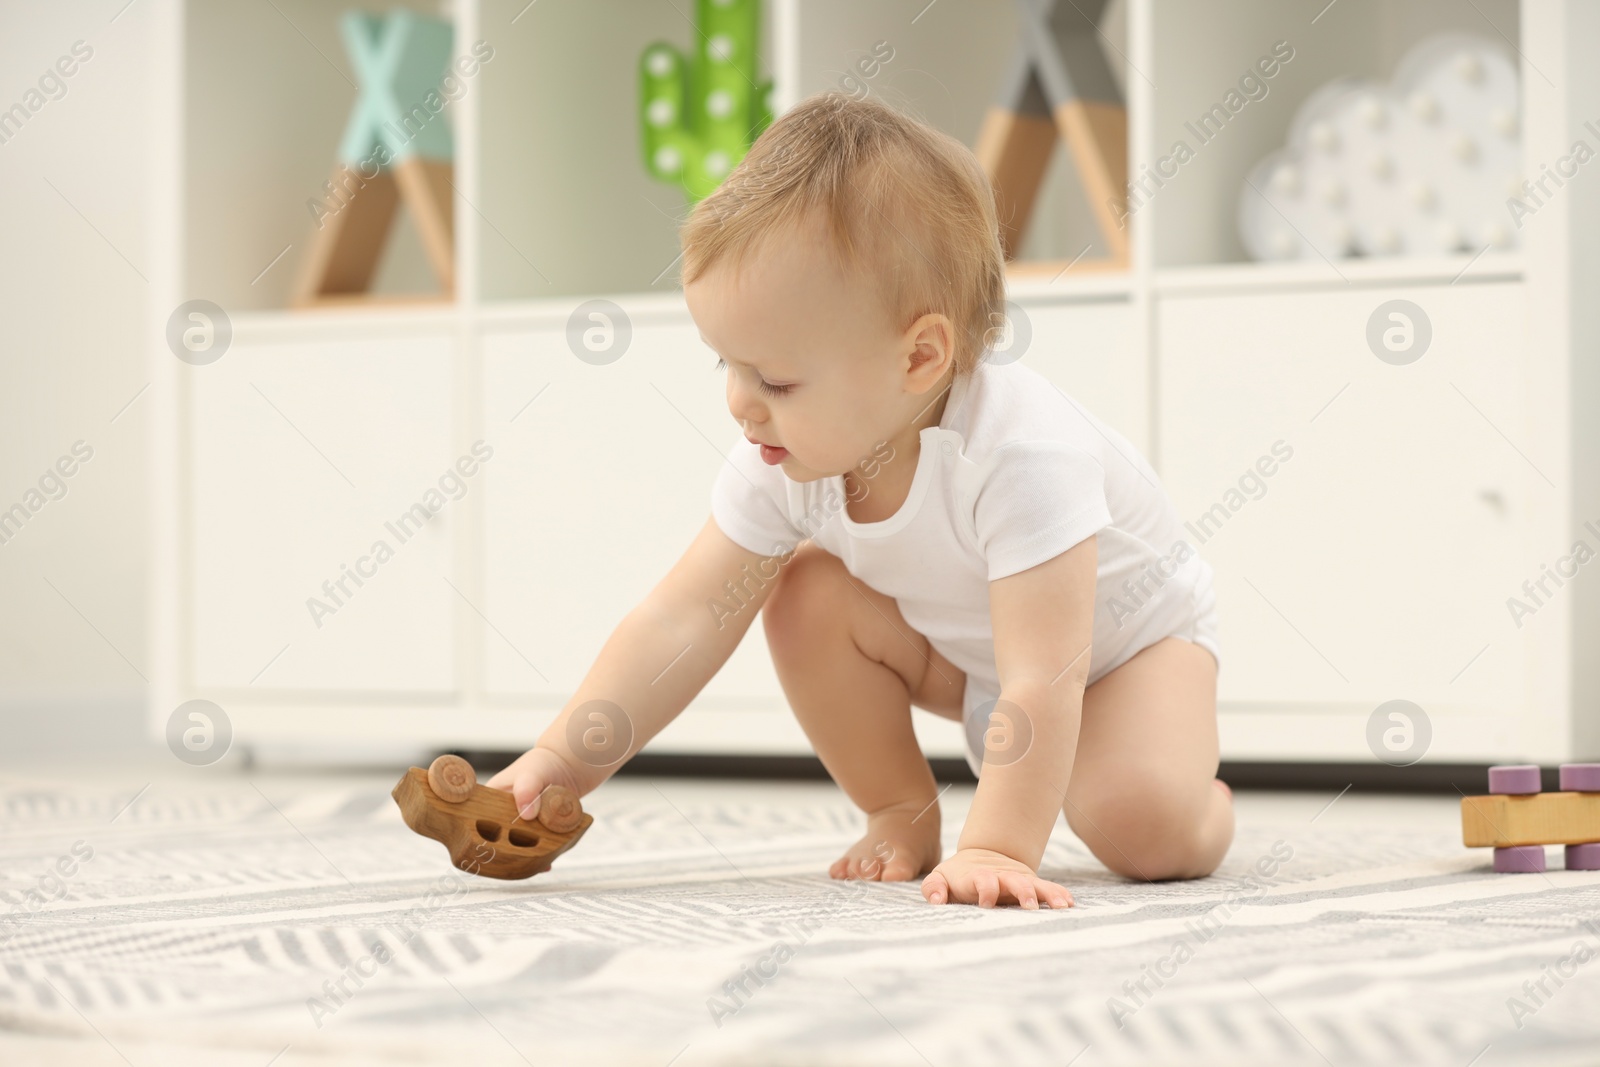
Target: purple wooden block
1583, 857
1580, 777
1522, 859
1517, 779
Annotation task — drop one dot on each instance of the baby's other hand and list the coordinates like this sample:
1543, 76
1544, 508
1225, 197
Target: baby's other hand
978, 876
527, 778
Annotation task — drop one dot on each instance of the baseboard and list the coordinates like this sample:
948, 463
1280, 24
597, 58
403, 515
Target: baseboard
1447, 778
1453, 779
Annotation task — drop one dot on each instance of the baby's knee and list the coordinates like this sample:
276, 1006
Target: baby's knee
1152, 830
806, 594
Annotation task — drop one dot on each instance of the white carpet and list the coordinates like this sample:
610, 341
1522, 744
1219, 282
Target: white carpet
216, 917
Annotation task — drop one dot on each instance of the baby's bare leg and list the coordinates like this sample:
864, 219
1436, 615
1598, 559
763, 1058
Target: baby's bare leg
1143, 794
851, 668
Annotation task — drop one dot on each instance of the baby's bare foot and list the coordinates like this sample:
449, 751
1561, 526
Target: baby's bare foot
901, 843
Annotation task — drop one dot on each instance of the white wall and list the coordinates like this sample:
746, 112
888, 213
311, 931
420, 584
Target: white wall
72, 249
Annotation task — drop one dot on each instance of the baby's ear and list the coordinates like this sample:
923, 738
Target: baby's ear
932, 342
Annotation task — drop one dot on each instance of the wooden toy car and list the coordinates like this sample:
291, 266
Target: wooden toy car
481, 827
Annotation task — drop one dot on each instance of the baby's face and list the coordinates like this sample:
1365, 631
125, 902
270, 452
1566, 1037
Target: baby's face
815, 365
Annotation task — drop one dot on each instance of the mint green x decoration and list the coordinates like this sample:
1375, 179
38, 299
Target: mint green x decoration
400, 59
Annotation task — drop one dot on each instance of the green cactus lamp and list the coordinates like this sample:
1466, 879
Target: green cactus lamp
699, 116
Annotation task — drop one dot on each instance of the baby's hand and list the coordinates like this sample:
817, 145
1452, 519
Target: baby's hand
978, 876
527, 778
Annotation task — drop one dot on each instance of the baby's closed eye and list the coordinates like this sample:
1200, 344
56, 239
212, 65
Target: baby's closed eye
765, 386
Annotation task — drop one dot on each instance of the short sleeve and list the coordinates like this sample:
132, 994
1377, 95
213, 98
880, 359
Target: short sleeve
749, 501
1035, 500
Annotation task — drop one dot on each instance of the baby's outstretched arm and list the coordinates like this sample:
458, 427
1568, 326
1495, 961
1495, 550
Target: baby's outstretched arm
1042, 619
655, 661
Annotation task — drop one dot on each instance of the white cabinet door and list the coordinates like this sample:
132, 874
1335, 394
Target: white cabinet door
303, 459
1367, 517
602, 477
1091, 351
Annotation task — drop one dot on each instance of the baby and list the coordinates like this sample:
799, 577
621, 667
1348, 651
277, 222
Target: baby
918, 523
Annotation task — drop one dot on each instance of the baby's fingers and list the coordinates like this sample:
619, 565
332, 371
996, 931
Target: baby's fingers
1056, 896
936, 888
525, 785
526, 791
987, 883
1020, 886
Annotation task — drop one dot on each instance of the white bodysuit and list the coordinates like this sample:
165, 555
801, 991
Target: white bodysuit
1015, 474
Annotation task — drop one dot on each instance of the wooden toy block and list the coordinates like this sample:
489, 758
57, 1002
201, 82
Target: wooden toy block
480, 826
1503, 821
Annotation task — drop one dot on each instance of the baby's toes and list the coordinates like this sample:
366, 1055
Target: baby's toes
854, 865
900, 868
866, 867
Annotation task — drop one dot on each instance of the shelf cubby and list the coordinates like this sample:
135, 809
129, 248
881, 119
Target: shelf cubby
1202, 47
268, 90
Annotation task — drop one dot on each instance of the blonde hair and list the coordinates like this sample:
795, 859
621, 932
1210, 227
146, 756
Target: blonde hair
903, 202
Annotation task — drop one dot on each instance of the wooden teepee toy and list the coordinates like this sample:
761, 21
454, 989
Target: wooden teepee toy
396, 146
1057, 81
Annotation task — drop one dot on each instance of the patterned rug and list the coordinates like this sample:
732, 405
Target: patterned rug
282, 922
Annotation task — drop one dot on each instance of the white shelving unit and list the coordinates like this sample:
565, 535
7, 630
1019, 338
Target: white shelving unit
1376, 565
